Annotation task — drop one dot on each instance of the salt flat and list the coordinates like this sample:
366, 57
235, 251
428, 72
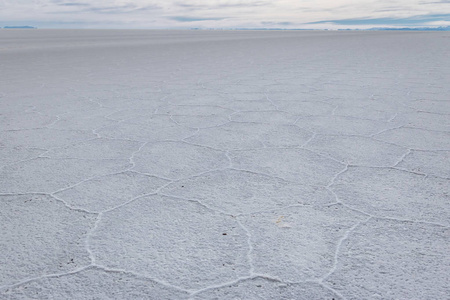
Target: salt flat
224, 165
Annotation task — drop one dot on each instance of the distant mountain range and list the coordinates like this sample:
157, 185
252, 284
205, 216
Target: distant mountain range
441, 28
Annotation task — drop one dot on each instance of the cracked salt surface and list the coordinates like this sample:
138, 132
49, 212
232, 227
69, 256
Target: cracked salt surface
135, 164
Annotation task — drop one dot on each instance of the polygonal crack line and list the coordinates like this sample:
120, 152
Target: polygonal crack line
25, 160
247, 232
199, 128
333, 112
332, 290
271, 102
385, 130
188, 143
429, 112
425, 175
261, 173
250, 247
88, 140
291, 148
57, 119
54, 197
87, 241
233, 282
114, 112
368, 137
399, 127
68, 144
410, 221
338, 248
98, 135
52, 275
339, 202
139, 275
349, 207
191, 135
308, 141
275, 209
198, 202
133, 199
336, 176
69, 206
425, 129
408, 151
392, 118
119, 139
53, 194
131, 158
322, 284
94, 131
428, 175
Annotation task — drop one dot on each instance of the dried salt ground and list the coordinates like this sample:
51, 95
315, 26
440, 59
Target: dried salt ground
224, 165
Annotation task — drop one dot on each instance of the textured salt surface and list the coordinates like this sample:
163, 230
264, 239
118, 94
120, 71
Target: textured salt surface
224, 165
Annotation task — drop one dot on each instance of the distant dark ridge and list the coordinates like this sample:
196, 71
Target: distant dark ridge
19, 27
441, 28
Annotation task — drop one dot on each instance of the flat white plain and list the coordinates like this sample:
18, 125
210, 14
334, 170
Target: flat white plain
224, 164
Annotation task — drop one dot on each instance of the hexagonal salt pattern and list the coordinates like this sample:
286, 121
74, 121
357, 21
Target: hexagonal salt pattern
45, 175
241, 192
97, 149
9, 155
106, 192
337, 125
224, 165
357, 150
43, 137
415, 138
260, 288
424, 120
297, 165
304, 108
432, 106
270, 117
29, 120
153, 129
395, 194
298, 243
200, 121
176, 160
237, 135
177, 241
389, 259
428, 162
93, 283
40, 236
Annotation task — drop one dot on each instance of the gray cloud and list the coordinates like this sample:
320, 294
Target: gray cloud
226, 13
124, 9
192, 19
223, 5
277, 23
73, 4
121, 9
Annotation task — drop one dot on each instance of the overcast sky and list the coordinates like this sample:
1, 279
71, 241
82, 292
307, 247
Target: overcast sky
332, 14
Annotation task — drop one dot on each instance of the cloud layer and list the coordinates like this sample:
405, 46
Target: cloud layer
224, 13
